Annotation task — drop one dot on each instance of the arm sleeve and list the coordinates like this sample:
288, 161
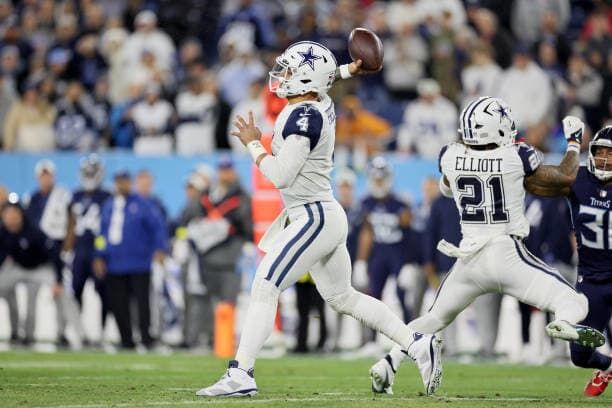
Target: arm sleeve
283, 168
530, 158
157, 227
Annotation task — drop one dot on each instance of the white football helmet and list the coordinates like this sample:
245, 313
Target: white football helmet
303, 67
487, 120
598, 167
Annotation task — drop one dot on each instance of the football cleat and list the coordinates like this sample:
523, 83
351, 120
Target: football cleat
598, 384
236, 382
426, 351
584, 335
382, 375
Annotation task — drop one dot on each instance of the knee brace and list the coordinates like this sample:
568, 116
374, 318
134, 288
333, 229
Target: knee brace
264, 291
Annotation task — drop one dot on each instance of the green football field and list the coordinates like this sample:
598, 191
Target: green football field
131, 380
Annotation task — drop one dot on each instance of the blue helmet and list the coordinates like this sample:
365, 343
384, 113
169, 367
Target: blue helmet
91, 172
603, 138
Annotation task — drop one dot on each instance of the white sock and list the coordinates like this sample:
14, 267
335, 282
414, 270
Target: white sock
259, 322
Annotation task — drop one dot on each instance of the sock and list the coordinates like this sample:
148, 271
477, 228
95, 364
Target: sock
259, 322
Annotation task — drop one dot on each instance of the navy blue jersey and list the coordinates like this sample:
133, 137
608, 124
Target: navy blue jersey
591, 205
558, 225
443, 223
534, 211
86, 208
36, 207
355, 222
384, 217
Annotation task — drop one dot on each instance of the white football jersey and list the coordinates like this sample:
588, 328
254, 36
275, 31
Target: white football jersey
488, 188
315, 120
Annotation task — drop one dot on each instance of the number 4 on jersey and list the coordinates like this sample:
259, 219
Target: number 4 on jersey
302, 123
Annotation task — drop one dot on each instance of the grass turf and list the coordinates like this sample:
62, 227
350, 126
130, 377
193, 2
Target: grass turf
91, 380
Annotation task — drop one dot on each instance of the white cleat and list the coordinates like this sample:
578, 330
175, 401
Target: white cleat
584, 335
426, 351
236, 382
382, 375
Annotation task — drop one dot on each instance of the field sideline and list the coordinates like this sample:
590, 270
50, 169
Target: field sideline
91, 380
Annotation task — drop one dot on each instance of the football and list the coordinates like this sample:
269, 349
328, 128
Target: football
365, 45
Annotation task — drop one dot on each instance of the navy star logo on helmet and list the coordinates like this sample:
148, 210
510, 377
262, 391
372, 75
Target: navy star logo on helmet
503, 112
308, 58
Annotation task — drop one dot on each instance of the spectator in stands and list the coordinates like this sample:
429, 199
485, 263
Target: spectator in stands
112, 43
360, 132
122, 126
75, 128
10, 67
444, 60
7, 98
132, 236
253, 103
406, 54
552, 33
196, 108
147, 37
29, 122
435, 9
596, 34
26, 256
482, 75
527, 17
252, 24
235, 76
148, 69
527, 89
89, 63
586, 86
491, 33
429, 122
402, 14
153, 118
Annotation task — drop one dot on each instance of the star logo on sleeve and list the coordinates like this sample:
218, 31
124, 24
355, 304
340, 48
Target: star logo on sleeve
308, 58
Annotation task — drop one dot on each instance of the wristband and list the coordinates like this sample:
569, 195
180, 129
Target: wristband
344, 71
573, 146
256, 149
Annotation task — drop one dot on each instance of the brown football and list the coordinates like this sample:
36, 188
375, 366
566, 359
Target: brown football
363, 44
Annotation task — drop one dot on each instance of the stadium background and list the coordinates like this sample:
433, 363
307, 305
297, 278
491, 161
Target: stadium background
85, 63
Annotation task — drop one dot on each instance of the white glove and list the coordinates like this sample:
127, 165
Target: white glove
360, 274
407, 277
573, 128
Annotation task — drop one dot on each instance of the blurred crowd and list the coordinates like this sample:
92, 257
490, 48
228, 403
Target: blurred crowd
158, 77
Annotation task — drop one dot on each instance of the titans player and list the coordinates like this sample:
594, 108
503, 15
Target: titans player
385, 218
590, 200
314, 240
84, 226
